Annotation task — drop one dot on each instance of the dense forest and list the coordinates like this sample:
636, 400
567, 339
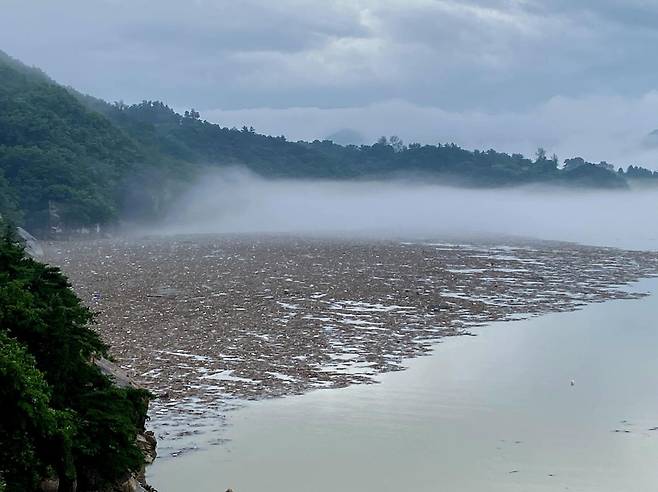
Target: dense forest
71, 161
62, 418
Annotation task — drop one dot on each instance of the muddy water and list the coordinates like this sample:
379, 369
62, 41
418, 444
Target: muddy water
495, 412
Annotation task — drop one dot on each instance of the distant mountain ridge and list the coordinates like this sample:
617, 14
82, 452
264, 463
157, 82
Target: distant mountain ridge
346, 136
71, 161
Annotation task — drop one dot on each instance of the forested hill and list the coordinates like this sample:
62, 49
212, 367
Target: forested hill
68, 160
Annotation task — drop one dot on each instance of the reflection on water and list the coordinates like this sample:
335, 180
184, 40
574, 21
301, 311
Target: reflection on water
494, 412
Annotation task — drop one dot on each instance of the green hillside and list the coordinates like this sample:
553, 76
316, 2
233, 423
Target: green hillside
69, 160
53, 149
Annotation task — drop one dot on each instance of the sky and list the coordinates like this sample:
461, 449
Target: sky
577, 77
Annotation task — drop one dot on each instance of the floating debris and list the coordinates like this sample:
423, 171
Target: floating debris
208, 321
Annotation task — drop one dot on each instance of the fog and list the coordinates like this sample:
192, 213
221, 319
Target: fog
236, 201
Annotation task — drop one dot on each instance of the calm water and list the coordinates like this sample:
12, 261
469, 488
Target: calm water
494, 412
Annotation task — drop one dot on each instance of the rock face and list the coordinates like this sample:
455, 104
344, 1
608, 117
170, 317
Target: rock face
114, 372
146, 443
32, 246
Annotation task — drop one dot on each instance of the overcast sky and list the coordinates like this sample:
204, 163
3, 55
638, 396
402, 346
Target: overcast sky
578, 77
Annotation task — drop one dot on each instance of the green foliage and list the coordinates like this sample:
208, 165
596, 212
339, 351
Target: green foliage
66, 415
29, 429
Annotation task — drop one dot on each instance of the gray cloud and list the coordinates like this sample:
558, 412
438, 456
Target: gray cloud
629, 13
467, 57
466, 54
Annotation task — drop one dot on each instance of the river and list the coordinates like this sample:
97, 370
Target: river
494, 412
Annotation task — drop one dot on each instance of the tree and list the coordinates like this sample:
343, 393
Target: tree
86, 426
192, 113
396, 142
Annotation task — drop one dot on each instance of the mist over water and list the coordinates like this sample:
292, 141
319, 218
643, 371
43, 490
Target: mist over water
236, 201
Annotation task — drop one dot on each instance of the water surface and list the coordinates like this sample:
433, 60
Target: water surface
495, 412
